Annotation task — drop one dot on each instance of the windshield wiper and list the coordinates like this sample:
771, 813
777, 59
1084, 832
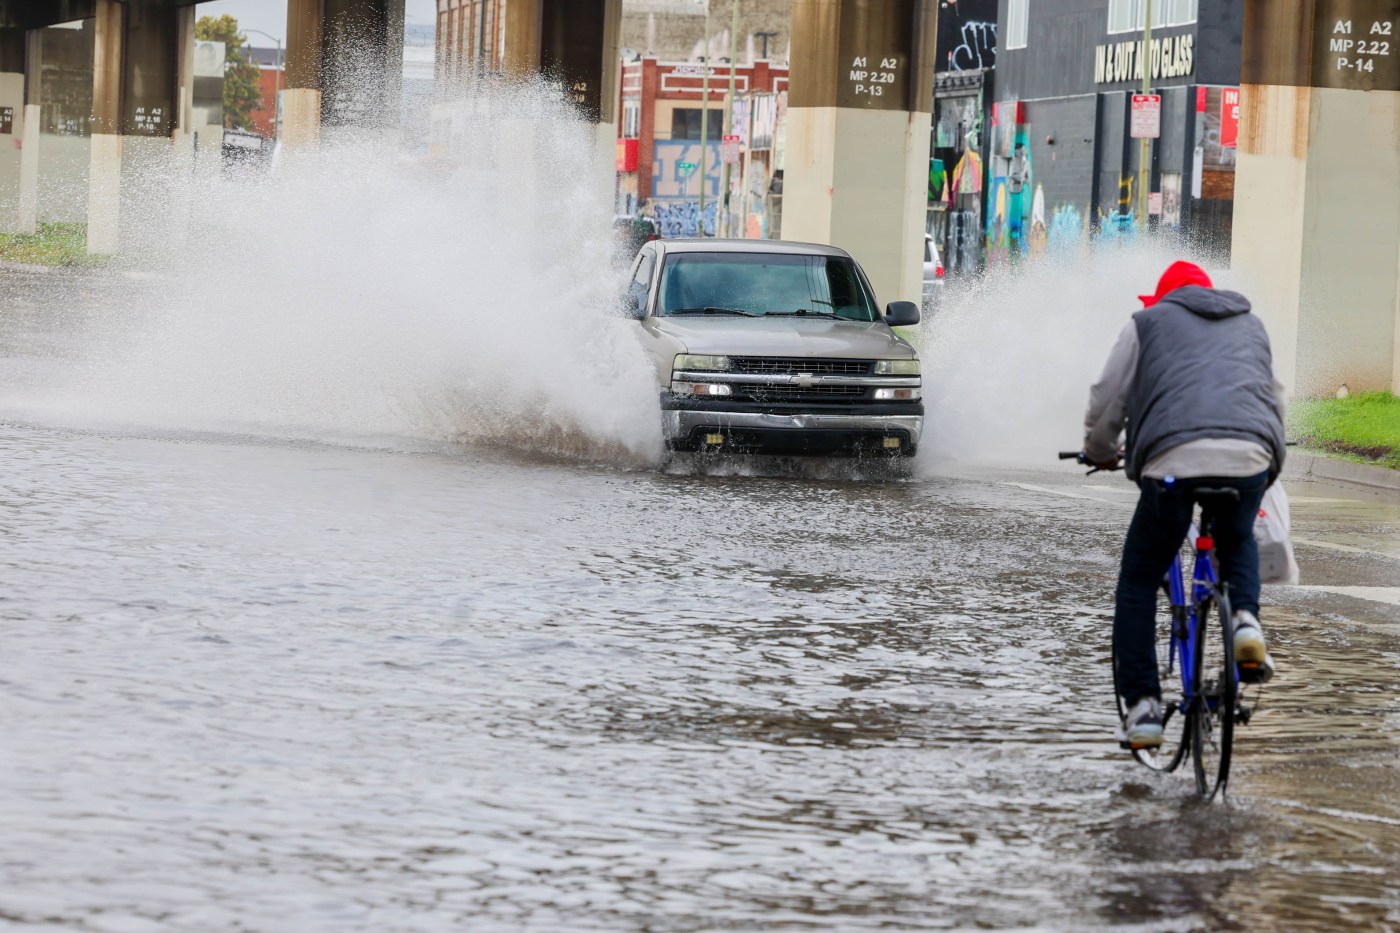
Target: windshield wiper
805, 312
713, 310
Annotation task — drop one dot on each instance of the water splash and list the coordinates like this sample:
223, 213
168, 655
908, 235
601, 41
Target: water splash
353, 291
1009, 359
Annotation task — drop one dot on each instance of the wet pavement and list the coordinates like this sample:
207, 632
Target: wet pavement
258, 684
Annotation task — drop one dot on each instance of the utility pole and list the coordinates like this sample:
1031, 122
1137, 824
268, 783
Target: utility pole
729, 108
1145, 144
704, 115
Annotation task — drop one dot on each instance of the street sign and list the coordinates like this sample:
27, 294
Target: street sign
686, 168
1147, 116
729, 150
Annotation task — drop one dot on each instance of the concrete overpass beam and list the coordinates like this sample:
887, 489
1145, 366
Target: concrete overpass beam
1316, 230
859, 116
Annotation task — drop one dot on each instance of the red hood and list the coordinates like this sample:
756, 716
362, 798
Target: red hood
1178, 274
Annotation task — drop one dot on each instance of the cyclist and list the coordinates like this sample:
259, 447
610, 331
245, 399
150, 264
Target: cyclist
1191, 380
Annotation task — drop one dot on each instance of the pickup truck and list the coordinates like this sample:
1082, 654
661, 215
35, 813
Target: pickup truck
766, 346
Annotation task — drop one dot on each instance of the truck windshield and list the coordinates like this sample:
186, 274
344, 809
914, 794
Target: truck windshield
765, 284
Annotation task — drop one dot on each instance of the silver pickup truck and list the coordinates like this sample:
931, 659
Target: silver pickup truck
774, 347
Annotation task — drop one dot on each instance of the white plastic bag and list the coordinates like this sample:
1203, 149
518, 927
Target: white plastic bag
1276, 562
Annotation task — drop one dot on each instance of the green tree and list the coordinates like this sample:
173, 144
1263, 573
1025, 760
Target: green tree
242, 90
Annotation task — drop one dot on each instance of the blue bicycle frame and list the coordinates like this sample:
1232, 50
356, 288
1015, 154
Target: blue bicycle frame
1185, 625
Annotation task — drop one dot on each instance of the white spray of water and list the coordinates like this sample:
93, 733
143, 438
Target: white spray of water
354, 292
1009, 360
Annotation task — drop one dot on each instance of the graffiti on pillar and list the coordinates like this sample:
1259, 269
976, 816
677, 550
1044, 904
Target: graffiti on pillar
682, 218
978, 48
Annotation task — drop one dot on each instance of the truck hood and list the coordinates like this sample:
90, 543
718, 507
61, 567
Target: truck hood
785, 336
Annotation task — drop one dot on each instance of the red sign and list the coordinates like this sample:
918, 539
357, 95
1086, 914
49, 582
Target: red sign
729, 150
1147, 116
627, 155
1229, 117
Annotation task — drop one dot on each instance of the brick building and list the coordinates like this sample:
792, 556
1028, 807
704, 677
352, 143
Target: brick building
660, 136
470, 37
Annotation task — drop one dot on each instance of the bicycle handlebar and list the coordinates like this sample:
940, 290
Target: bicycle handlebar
1078, 457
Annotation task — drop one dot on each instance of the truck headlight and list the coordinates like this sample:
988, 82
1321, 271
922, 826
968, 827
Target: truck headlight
693, 362
897, 395
896, 367
700, 388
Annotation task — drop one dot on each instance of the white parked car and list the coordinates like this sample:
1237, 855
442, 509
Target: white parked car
933, 272
771, 346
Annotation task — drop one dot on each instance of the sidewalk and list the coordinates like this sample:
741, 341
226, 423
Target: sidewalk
1311, 465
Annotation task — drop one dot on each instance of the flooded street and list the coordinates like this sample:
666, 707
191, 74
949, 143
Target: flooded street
266, 685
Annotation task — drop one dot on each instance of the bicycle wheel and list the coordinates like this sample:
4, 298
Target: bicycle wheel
1174, 732
1212, 713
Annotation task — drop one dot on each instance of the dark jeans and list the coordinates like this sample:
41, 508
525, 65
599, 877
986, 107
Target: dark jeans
1160, 523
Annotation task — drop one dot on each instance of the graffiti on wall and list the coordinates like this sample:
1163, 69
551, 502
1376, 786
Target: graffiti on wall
682, 218
978, 48
967, 35
673, 179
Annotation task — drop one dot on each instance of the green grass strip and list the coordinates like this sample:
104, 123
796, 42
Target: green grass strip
1364, 427
53, 245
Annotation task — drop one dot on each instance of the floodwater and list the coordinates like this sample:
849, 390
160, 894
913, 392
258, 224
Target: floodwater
343, 589
253, 684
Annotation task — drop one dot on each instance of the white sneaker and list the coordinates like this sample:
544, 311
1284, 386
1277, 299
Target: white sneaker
1143, 726
1251, 652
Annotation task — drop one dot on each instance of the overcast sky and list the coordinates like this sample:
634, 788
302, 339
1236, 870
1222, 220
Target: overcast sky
271, 15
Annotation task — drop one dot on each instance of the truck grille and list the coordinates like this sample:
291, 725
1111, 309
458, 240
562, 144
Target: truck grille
794, 393
780, 365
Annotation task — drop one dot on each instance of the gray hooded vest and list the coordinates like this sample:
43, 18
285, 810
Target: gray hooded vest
1204, 371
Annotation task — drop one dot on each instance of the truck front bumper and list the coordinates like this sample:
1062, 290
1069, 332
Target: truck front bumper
893, 428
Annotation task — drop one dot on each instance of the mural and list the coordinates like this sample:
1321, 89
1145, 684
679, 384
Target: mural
672, 182
1010, 192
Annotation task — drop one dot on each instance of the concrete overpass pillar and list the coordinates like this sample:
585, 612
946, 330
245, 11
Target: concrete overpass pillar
1317, 189
576, 42
105, 166
860, 110
12, 42
344, 66
301, 99
27, 217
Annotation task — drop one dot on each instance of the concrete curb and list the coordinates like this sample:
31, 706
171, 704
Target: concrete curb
1308, 466
30, 268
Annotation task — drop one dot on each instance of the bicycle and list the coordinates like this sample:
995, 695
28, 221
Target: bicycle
1199, 712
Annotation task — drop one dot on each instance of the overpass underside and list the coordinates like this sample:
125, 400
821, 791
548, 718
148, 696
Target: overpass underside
93, 90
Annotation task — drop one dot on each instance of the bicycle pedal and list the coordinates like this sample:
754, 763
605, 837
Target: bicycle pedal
1242, 714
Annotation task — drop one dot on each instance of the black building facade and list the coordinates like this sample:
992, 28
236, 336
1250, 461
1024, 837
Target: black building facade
1062, 164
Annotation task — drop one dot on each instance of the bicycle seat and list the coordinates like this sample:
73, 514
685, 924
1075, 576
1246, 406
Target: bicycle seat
1216, 492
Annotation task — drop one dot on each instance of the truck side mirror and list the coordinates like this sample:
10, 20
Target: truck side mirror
902, 314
